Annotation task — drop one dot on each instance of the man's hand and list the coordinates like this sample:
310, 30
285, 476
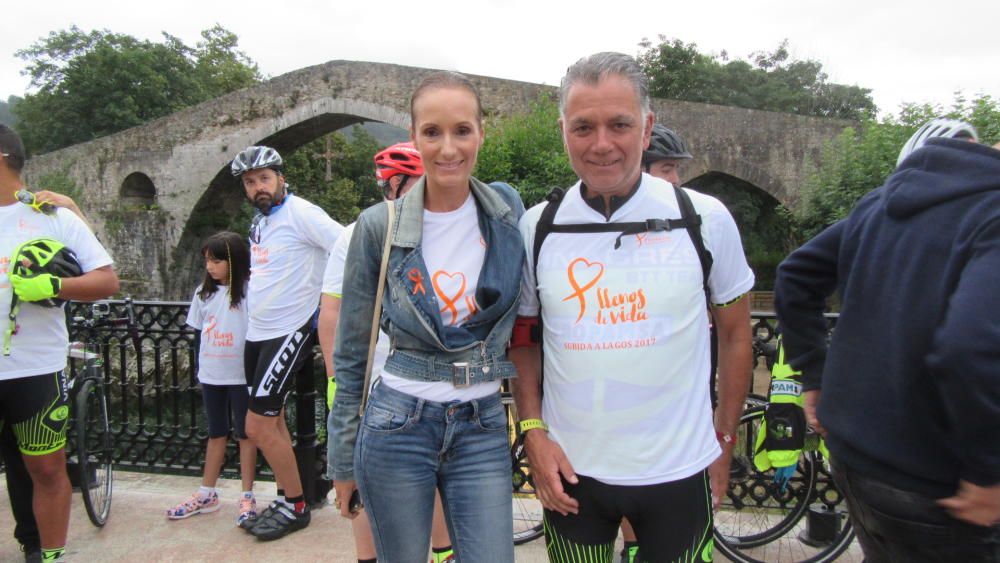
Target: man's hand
36, 287
718, 474
810, 402
331, 390
342, 497
548, 462
974, 504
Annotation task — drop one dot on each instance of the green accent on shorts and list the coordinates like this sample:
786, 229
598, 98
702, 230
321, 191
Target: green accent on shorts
562, 550
45, 433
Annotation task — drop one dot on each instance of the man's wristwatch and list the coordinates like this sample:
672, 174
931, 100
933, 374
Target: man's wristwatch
725, 438
531, 424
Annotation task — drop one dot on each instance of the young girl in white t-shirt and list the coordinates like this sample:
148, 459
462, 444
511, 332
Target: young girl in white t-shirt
218, 310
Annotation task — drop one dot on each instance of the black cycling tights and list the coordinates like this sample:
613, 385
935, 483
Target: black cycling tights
672, 521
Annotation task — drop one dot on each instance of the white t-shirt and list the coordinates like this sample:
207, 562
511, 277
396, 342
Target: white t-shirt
39, 347
286, 267
223, 335
454, 251
333, 284
626, 342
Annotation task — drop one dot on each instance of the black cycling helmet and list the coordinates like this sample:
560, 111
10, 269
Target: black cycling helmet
664, 143
256, 157
938, 127
45, 256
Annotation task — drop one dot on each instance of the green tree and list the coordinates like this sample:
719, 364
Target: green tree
94, 84
860, 159
6, 111
768, 81
526, 150
352, 187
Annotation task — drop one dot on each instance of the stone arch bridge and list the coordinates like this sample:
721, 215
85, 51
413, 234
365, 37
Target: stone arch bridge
142, 187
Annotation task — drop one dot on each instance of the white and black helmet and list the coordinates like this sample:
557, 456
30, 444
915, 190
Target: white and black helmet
939, 127
664, 143
254, 158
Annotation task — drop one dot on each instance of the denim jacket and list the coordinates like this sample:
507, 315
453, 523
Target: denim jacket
422, 347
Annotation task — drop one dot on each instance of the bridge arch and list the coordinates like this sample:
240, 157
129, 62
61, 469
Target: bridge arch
185, 155
138, 189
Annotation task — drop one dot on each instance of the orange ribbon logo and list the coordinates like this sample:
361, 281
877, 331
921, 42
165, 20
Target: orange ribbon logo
450, 298
210, 325
415, 276
579, 290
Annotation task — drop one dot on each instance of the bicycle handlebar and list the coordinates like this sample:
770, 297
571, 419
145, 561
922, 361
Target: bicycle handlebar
99, 319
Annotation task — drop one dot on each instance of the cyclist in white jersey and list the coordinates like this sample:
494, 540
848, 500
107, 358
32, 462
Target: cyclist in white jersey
625, 426
33, 391
290, 240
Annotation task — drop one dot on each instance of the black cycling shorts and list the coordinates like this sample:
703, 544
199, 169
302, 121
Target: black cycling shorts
225, 408
672, 521
269, 365
37, 409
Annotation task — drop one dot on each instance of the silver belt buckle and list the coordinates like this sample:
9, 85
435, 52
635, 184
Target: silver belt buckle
460, 375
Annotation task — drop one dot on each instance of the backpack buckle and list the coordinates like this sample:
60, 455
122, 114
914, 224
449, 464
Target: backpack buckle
657, 225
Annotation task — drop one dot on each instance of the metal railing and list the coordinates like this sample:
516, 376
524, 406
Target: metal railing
155, 406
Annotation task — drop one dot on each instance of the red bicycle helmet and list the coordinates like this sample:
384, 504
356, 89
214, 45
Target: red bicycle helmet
401, 158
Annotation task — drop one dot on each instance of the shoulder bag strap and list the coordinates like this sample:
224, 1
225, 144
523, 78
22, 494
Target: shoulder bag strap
377, 315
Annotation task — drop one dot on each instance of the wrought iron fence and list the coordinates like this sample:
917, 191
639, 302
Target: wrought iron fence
155, 404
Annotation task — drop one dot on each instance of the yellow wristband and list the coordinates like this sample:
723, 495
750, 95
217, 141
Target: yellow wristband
531, 424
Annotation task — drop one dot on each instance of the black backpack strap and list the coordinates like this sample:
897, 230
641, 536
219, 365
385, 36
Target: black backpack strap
626, 228
694, 231
544, 225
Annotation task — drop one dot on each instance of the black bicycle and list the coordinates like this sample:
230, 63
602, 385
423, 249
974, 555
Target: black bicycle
94, 443
802, 520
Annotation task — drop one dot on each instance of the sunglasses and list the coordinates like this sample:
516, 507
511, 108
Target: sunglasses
28, 198
255, 228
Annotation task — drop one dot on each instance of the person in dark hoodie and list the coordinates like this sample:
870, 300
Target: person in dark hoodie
910, 381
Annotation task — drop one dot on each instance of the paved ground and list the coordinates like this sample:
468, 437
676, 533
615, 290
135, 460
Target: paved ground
138, 531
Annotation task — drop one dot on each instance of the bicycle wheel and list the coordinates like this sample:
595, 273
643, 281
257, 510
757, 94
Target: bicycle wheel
759, 522
94, 450
527, 508
756, 510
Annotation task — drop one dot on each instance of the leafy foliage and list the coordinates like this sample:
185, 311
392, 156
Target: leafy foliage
860, 159
352, 187
6, 111
767, 81
526, 151
97, 83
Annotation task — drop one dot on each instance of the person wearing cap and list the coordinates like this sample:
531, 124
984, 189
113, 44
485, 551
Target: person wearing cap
290, 240
397, 168
907, 392
33, 386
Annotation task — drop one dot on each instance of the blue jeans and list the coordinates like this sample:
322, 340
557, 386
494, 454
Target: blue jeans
897, 525
408, 447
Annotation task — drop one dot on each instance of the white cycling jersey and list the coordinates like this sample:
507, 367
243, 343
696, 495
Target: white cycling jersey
626, 336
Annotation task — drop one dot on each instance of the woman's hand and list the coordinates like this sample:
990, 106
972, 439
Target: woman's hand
342, 497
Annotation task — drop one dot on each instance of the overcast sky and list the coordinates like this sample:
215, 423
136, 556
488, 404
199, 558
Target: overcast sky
916, 51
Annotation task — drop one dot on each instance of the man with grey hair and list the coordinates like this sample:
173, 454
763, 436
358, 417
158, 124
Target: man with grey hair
622, 268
